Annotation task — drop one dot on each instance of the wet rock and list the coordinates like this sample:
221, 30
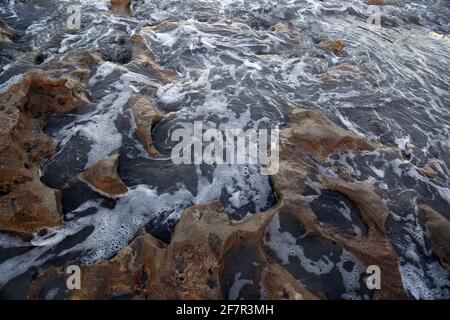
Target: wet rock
53, 92
382, 2
6, 32
103, 177
438, 233
190, 267
428, 171
281, 285
334, 46
142, 54
318, 135
288, 29
345, 70
146, 116
121, 6
30, 207
60, 86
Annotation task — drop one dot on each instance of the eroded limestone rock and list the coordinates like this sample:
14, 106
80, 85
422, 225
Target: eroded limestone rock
314, 134
6, 32
190, 267
193, 264
30, 207
334, 46
57, 87
121, 6
146, 116
318, 135
142, 54
281, 285
438, 232
103, 177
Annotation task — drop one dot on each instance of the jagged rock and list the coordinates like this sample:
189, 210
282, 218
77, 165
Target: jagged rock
142, 54
6, 32
121, 6
428, 171
311, 132
23, 146
438, 232
382, 2
103, 177
281, 285
335, 46
146, 116
30, 207
190, 267
59, 87
54, 92
287, 28
318, 135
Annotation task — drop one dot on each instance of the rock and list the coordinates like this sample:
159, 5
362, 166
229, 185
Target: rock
327, 79
195, 262
146, 116
334, 46
312, 133
345, 70
190, 267
142, 54
318, 135
56, 87
288, 29
60, 86
121, 6
103, 177
281, 285
54, 92
428, 171
438, 233
30, 207
23, 147
382, 2
6, 32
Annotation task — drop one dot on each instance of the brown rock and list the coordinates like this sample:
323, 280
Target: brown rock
438, 232
30, 207
190, 267
121, 6
428, 171
146, 116
287, 28
281, 285
193, 264
60, 87
382, 2
318, 135
142, 54
6, 32
334, 46
312, 133
103, 177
